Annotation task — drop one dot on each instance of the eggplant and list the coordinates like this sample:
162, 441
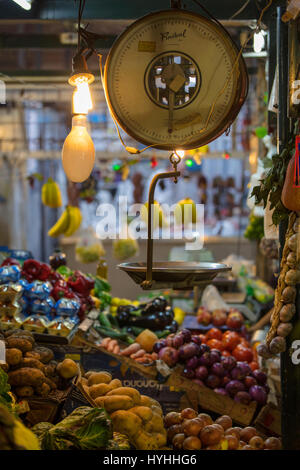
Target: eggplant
127, 309
156, 305
173, 327
152, 322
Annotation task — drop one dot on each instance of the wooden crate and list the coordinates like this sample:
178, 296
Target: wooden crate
268, 420
208, 400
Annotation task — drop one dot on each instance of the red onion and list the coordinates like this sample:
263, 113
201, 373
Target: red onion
218, 369
170, 341
240, 371
203, 348
196, 339
169, 356
258, 394
186, 335
192, 363
205, 359
260, 376
178, 341
158, 346
215, 355
213, 381
188, 350
188, 373
228, 362
242, 397
250, 381
201, 372
234, 386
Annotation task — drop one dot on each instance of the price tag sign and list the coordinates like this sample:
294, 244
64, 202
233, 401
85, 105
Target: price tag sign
2, 352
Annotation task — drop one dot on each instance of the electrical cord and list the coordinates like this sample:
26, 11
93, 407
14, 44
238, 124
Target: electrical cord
240, 10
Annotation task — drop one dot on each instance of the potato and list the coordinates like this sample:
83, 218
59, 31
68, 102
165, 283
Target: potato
67, 369
33, 355
26, 376
13, 356
147, 401
89, 373
157, 424
32, 363
84, 381
46, 354
117, 402
144, 412
50, 382
86, 389
116, 383
100, 402
126, 422
43, 390
130, 392
25, 391
18, 343
99, 390
99, 378
156, 410
49, 370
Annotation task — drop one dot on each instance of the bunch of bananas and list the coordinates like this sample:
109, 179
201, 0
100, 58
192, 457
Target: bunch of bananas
68, 223
51, 195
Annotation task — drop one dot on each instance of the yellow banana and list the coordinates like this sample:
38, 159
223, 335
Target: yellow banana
61, 225
51, 195
75, 221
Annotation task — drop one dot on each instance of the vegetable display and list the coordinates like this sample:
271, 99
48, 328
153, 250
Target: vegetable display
285, 294
206, 366
31, 368
137, 416
232, 319
188, 430
85, 428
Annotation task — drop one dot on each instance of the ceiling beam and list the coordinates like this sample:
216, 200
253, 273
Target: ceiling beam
121, 9
42, 41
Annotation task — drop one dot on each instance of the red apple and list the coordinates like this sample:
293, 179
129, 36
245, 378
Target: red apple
203, 316
219, 317
235, 320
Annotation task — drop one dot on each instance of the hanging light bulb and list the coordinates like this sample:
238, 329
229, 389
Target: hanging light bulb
78, 153
180, 153
259, 41
82, 100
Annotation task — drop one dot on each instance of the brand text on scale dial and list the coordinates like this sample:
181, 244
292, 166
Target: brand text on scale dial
167, 36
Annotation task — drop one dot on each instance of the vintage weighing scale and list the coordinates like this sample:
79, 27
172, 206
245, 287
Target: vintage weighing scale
174, 80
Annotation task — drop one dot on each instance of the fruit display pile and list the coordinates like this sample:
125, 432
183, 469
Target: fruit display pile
206, 366
232, 319
189, 430
32, 369
42, 299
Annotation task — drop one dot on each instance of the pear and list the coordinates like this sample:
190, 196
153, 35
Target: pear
158, 215
181, 212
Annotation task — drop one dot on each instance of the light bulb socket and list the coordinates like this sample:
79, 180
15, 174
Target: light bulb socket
80, 70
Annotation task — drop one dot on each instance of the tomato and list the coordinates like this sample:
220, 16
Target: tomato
214, 333
245, 343
230, 340
241, 353
253, 365
215, 344
203, 338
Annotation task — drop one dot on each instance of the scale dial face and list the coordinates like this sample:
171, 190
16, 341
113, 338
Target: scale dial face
164, 74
